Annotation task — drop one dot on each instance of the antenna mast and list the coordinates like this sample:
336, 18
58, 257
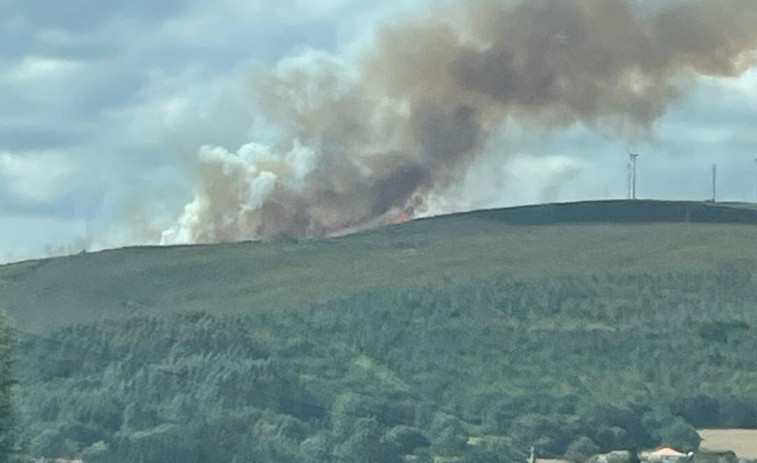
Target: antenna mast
633, 174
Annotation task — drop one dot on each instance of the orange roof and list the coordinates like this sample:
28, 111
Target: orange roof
667, 452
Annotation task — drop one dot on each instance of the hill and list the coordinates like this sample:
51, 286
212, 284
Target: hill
573, 328
530, 241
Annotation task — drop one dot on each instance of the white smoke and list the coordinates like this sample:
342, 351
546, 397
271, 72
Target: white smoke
234, 185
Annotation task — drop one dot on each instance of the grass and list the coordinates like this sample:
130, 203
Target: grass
584, 238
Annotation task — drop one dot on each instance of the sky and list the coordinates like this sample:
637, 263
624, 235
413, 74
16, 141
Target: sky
104, 104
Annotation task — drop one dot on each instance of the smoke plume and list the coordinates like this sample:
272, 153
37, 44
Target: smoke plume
355, 145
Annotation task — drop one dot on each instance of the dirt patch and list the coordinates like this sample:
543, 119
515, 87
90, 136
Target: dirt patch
741, 441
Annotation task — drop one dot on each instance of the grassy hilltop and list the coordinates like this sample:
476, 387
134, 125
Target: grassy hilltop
574, 328
526, 242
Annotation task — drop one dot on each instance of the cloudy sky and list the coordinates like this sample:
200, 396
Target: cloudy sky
102, 103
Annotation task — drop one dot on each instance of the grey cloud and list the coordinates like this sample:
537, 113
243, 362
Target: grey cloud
84, 15
108, 91
24, 138
69, 207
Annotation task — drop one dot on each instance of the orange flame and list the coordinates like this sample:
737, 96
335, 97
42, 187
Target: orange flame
398, 219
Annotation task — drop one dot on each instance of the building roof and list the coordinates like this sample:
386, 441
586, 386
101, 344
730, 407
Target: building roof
667, 452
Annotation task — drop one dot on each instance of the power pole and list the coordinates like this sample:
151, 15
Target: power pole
633, 174
714, 183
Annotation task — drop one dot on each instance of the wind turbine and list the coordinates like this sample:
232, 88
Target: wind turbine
714, 183
633, 174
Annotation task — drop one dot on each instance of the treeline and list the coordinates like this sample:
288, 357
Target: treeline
479, 371
705, 411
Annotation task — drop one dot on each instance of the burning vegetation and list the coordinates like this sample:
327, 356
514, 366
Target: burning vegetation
354, 142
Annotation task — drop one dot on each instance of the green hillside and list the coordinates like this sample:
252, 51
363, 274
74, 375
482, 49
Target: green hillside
526, 242
573, 328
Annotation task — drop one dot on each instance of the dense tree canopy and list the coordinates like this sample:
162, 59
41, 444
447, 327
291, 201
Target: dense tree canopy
572, 365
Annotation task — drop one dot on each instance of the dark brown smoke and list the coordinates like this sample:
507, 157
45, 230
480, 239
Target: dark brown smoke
359, 143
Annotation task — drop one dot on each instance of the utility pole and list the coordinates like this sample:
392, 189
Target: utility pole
714, 183
633, 174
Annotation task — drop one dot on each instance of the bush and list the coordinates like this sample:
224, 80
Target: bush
96, 453
721, 331
405, 439
702, 411
581, 449
680, 435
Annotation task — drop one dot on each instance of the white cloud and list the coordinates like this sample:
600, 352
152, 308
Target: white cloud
36, 177
38, 68
43, 88
730, 92
520, 178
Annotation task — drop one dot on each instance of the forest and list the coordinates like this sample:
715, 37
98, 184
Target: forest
471, 371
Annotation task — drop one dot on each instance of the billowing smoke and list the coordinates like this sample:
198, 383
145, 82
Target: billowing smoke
356, 144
